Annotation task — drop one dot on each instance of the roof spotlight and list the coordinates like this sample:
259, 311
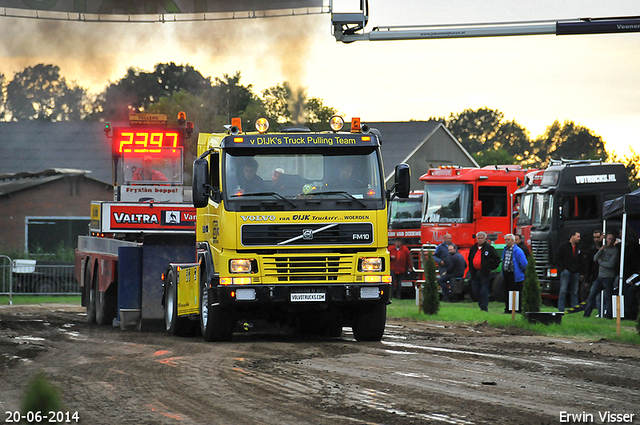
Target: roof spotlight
262, 125
336, 123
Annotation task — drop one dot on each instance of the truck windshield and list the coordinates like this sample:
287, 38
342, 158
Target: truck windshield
351, 178
447, 203
405, 213
525, 213
542, 210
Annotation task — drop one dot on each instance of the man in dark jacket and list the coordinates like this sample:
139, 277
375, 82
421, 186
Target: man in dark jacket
570, 262
456, 269
607, 258
590, 266
522, 246
482, 259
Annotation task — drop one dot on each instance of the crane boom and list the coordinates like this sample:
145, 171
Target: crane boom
349, 27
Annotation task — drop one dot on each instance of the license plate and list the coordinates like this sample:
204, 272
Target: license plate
407, 284
308, 297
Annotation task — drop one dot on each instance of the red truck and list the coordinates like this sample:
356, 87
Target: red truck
464, 201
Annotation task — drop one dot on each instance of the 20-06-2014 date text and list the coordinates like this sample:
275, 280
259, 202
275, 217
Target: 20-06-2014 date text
50, 417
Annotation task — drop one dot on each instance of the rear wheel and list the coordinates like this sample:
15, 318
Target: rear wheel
497, 289
174, 325
106, 305
216, 323
370, 323
90, 285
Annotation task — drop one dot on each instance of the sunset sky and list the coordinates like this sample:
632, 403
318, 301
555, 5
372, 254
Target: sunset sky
592, 80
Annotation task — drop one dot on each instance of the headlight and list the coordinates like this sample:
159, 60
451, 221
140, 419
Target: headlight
373, 264
243, 265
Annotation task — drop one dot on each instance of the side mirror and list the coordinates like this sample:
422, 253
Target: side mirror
403, 180
201, 186
477, 210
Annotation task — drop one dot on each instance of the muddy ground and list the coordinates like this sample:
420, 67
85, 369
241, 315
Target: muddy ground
420, 373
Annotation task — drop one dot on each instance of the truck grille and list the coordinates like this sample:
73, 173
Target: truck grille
540, 250
307, 269
286, 235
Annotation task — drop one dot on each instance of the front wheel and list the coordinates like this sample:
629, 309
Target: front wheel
370, 323
216, 323
174, 325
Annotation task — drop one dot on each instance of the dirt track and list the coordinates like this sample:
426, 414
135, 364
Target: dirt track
420, 373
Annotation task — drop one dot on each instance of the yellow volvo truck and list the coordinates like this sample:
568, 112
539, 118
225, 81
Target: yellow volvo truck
291, 229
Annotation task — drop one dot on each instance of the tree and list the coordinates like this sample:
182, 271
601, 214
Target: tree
568, 141
531, 298
485, 135
430, 294
40, 93
317, 113
276, 102
632, 164
138, 89
283, 105
230, 98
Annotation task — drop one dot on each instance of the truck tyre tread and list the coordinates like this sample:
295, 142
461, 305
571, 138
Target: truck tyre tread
90, 285
106, 303
175, 326
497, 288
216, 324
370, 323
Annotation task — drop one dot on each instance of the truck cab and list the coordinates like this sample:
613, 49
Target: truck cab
570, 196
462, 201
291, 229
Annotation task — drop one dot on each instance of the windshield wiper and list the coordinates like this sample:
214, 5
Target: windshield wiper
339, 192
541, 227
274, 194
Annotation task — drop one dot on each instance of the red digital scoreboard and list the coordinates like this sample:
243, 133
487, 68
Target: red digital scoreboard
140, 140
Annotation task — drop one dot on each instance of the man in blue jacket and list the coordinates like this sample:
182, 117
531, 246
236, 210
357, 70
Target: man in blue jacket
514, 263
456, 269
441, 256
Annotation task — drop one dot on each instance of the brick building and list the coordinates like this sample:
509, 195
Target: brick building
49, 174
40, 211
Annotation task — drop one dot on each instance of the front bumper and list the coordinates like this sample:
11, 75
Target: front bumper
296, 296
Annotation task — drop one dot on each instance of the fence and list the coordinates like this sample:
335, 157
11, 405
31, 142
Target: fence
28, 277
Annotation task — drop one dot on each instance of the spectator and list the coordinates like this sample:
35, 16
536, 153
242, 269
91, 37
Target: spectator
147, 173
400, 265
570, 262
456, 269
514, 263
522, 246
483, 258
591, 266
607, 258
441, 256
